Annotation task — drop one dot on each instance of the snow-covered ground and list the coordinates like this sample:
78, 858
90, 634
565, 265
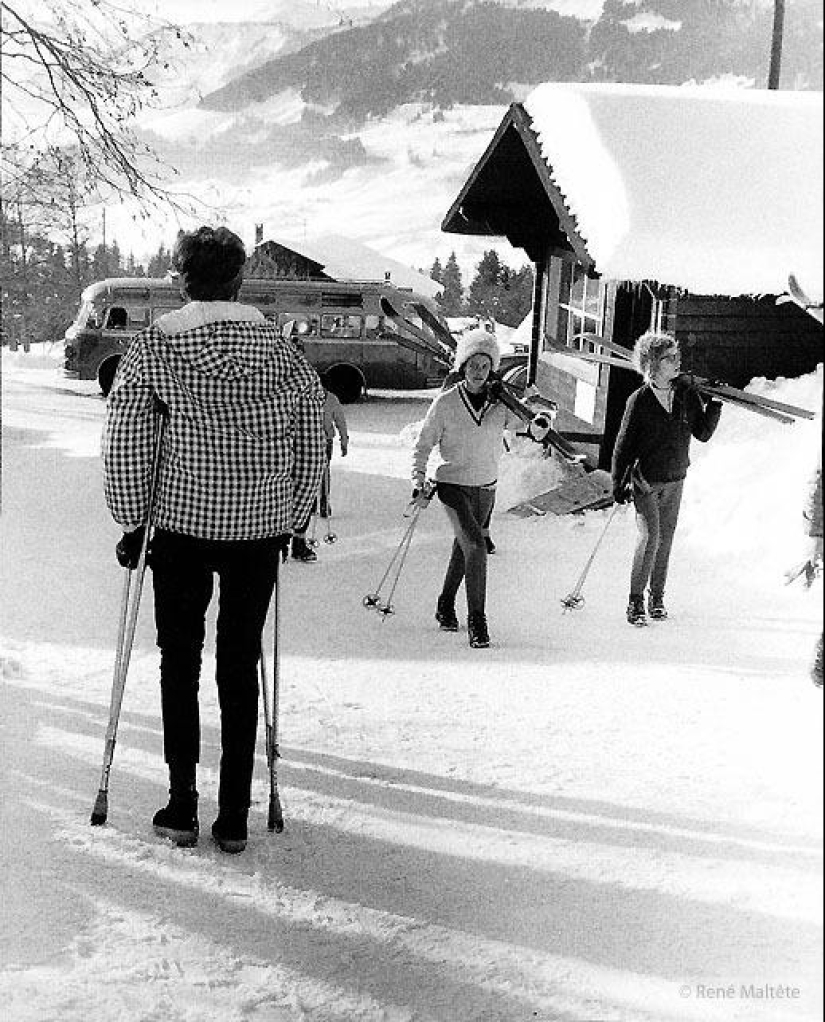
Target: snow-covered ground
586, 822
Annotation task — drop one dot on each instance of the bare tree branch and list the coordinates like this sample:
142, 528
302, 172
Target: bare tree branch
73, 78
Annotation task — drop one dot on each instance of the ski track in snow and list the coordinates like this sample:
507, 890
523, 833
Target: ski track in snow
585, 823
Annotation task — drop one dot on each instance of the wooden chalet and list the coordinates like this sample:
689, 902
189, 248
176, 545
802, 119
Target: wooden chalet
333, 257
656, 208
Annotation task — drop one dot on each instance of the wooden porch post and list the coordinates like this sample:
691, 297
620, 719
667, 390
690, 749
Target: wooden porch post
776, 43
539, 317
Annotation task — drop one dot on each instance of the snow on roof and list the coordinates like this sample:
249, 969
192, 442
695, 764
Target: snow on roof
717, 191
346, 259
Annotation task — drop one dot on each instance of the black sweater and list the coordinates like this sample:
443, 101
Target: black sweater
660, 440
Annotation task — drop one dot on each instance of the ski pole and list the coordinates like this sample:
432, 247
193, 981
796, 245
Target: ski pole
127, 624
396, 565
330, 536
275, 816
574, 599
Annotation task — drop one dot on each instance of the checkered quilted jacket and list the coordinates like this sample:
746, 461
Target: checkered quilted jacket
243, 452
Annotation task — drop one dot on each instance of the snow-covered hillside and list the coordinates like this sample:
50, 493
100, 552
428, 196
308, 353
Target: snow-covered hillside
587, 821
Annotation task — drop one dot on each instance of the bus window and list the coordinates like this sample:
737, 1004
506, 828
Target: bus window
90, 317
117, 319
345, 327
372, 327
304, 325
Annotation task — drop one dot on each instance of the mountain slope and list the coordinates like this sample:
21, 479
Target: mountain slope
477, 51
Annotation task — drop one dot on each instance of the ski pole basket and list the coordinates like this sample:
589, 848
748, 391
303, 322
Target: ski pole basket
381, 597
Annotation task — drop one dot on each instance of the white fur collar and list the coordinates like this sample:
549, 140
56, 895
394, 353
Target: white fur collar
196, 314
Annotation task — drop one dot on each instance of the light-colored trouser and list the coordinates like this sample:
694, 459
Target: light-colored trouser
657, 513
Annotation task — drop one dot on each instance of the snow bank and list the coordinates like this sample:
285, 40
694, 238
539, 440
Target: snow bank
750, 483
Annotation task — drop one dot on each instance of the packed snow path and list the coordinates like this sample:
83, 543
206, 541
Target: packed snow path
586, 822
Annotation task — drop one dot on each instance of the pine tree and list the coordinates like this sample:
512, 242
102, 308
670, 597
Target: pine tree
160, 263
499, 292
484, 297
452, 298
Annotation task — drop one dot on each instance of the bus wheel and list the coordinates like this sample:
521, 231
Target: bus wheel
106, 374
346, 382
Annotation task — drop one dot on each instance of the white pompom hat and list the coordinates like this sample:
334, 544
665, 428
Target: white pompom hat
477, 342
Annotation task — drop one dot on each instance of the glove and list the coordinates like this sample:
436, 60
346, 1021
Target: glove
622, 493
421, 497
344, 450
128, 548
539, 426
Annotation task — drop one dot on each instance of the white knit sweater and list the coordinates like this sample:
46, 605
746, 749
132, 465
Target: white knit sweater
469, 442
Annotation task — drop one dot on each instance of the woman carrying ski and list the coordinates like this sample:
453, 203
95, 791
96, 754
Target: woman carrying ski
467, 426
651, 453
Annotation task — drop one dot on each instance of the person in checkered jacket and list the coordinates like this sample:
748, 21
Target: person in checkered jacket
242, 458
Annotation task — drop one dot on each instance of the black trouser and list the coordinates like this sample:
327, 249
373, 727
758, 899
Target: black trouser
183, 569
468, 508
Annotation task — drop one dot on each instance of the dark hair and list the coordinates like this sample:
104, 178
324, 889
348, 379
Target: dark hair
210, 261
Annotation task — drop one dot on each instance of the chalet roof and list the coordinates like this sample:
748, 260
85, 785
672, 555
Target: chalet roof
346, 259
716, 191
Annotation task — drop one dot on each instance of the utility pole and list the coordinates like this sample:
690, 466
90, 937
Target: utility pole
776, 43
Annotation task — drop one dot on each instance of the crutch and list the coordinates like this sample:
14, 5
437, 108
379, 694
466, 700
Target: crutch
275, 817
127, 623
375, 600
574, 599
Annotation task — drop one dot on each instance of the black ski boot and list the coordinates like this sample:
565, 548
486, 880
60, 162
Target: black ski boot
445, 615
178, 820
636, 611
491, 547
302, 552
230, 831
477, 629
656, 607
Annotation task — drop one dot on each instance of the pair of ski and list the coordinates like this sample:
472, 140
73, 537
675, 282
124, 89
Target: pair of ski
799, 297
620, 358
422, 343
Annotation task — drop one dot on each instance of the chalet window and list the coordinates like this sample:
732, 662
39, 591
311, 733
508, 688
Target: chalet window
581, 305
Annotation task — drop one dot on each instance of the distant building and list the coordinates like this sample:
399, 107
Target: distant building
333, 257
656, 207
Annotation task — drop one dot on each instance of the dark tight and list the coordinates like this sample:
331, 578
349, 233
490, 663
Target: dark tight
183, 569
657, 513
468, 508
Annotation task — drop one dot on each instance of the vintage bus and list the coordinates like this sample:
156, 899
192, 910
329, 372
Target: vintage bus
354, 331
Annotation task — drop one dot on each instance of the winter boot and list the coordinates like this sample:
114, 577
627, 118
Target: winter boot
445, 615
477, 628
302, 552
636, 611
656, 607
178, 820
229, 830
491, 547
